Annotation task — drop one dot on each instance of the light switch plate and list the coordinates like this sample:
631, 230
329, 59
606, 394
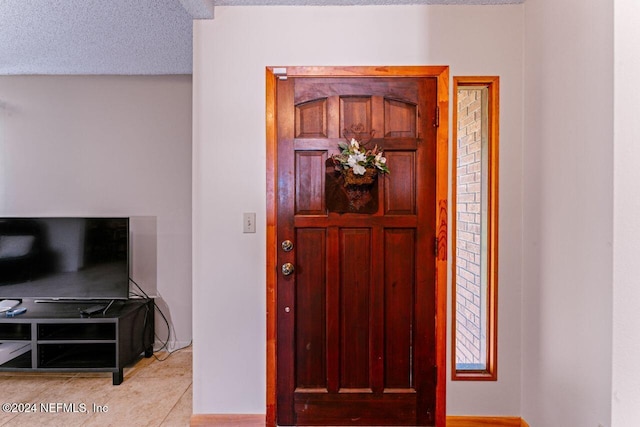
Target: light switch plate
249, 222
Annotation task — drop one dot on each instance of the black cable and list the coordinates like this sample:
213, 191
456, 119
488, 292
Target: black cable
139, 288
166, 342
169, 353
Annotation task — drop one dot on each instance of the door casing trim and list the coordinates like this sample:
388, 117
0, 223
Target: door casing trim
441, 208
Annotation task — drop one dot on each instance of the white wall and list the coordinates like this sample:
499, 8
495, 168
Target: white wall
626, 292
106, 146
230, 56
568, 214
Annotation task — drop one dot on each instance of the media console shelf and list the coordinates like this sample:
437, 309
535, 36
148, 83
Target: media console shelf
55, 337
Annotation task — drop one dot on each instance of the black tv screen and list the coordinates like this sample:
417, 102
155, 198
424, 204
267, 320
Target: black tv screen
64, 258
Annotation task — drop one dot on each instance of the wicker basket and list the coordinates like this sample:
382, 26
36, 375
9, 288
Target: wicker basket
368, 178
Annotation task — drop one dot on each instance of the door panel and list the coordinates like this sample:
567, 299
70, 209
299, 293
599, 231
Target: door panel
310, 299
311, 119
355, 110
399, 118
356, 319
400, 197
399, 300
310, 170
355, 250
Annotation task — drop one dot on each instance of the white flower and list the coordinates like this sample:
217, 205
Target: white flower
358, 159
355, 159
359, 170
380, 161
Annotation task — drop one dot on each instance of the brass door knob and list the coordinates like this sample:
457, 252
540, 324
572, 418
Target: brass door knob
287, 268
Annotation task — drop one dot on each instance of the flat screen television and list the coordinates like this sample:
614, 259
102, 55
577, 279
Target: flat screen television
64, 258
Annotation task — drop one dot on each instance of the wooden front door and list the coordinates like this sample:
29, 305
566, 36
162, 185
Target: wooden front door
355, 315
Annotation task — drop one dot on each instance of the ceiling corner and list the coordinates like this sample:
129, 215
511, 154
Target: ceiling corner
199, 9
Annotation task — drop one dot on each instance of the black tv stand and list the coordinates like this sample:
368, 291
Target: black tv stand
71, 301
57, 338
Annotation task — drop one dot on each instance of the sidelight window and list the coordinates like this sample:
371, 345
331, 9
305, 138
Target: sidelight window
475, 228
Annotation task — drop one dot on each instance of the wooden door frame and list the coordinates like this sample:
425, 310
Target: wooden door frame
441, 208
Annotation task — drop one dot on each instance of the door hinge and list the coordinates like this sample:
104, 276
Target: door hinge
435, 246
436, 120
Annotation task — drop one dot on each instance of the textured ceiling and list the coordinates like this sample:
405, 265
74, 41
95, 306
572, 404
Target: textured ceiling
94, 37
355, 2
122, 36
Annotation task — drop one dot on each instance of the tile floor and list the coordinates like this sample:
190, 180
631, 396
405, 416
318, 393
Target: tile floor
153, 393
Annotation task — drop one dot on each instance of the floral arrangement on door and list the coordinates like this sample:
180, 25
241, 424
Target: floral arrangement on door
353, 172
358, 165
